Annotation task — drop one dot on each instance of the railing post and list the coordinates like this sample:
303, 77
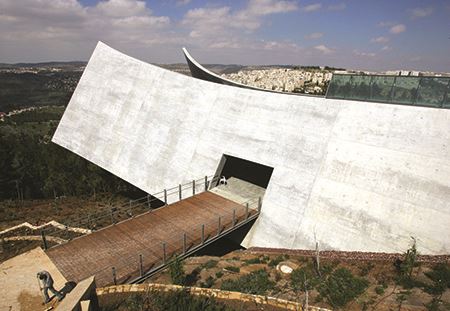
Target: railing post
206, 183
179, 192
130, 209
165, 196
234, 217
246, 210
184, 243
193, 187
148, 202
141, 266
203, 234
112, 217
259, 204
114, 275
164, 252
219, 228
44, 240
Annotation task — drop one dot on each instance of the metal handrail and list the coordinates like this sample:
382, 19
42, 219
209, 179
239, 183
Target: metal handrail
166, 258
127, 208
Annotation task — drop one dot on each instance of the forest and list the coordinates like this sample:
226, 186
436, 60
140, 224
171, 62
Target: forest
32, 167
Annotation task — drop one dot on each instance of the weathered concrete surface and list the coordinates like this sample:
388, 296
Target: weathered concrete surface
351, 175
240, 191
85, 290
19, 288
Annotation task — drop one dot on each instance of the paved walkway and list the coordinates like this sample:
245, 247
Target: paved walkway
19, 289
120, 245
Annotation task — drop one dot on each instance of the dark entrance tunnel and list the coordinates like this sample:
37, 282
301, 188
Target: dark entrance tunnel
252, 172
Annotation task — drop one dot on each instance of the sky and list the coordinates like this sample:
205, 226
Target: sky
354, 34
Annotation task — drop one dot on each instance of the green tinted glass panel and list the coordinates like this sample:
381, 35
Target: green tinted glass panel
432, 92
405, 90
339, 86
447, 98
360, 87
381, 88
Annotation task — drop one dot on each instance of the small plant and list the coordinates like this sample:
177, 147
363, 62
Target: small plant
410, 261
274, 262
341, 287
366, 269
304, 274
210, 264
209, 282
176, 271
257, 283
379, 290
434, 304
219, 274
440, 275
233, 269
252, 261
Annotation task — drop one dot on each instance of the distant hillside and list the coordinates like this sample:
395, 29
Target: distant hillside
45, 65
21, 90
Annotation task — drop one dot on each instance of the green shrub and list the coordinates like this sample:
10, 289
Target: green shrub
176, 271
210, 264
257, 283
405, 267
219, 274
209, 282
274, 262
341, 287
379, 290
304, 274
252, 261
440, 275
233, 269
366, 269
434, 304
181, 300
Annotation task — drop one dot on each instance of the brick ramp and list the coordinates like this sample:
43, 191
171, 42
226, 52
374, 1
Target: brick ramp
119, 245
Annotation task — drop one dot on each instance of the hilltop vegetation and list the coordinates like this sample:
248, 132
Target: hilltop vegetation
19, 90
31, 167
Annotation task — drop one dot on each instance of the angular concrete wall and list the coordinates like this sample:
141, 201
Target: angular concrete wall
350, 175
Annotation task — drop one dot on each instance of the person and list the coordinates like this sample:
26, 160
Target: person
46, 282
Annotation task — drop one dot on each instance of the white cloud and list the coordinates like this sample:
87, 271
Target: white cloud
314, 35
324, 49
337, 7
386, 24
265, 7
183, 2
397, 29
380, 39
363, 54
386, 48
65, 27
212, 26
421, 12
312, 7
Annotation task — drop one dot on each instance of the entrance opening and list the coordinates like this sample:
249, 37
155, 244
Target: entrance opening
246, 181
251, 172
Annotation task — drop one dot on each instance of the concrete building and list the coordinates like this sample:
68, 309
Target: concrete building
351, 175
